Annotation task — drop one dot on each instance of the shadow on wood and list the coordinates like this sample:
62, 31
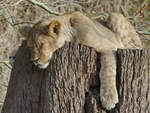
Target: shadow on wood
70, 84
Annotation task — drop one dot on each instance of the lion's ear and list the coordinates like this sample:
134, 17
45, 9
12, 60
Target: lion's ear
24, 31
54, 29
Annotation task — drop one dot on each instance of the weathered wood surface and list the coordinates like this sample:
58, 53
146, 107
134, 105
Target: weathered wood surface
71, 85
133, 81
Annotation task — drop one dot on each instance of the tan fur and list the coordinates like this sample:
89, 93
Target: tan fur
51, 34
122, 27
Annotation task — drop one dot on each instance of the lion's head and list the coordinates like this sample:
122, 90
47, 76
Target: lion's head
43, 39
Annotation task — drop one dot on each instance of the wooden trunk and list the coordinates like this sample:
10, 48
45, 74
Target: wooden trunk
70, 84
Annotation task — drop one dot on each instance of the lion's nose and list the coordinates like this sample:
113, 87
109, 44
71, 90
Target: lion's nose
36, 61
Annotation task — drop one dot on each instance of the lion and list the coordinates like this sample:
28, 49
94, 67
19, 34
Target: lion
48, 35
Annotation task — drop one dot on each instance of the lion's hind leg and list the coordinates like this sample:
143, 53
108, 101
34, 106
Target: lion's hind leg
123, 28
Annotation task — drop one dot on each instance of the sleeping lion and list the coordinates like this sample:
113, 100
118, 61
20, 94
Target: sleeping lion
48, 35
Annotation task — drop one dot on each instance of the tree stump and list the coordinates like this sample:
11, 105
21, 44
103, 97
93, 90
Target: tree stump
133, 81
71, 84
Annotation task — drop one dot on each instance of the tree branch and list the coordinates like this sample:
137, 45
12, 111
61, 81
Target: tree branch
143, 32
43, 6
6, 63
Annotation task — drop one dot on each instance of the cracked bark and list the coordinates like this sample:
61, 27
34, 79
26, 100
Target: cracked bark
71, 85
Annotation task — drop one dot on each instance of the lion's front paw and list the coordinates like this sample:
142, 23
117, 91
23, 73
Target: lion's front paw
109, 98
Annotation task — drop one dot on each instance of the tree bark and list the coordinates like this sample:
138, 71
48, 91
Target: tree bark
70, 84
133, 81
